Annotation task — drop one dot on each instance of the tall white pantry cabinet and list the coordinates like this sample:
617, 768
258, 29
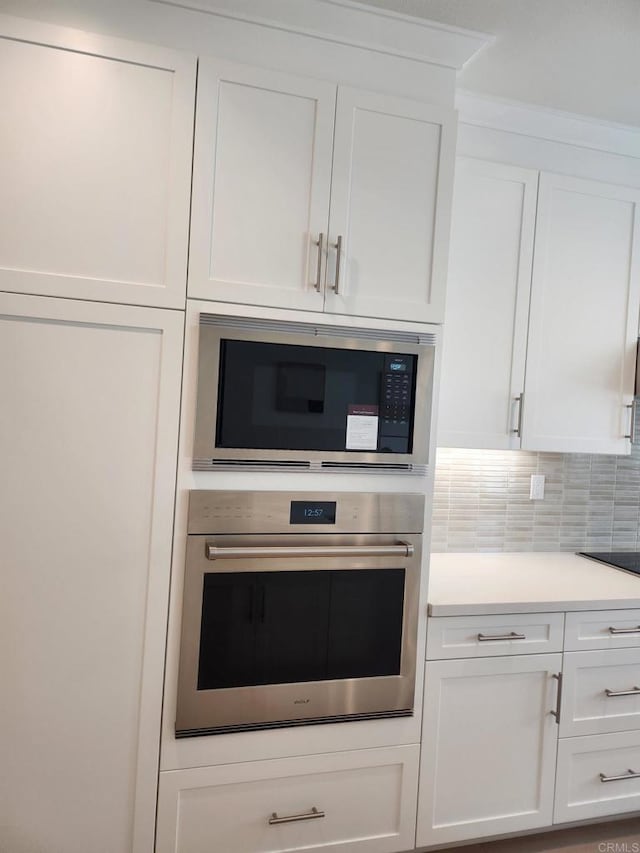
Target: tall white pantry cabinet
97, 139
95, 169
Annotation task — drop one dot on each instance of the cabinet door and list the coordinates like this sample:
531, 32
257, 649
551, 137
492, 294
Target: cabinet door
261, 182
95, 167
390, 207
88, 428
488, 747
583, 323
488, 289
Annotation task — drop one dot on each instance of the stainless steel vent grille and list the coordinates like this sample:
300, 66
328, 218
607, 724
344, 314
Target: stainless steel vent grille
312, 467
252, 325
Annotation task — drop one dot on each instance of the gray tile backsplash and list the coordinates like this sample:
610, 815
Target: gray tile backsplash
481, 501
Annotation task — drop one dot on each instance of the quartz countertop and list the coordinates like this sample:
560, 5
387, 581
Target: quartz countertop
481, 583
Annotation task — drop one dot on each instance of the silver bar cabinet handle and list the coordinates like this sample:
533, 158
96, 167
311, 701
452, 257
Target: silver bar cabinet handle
338, 247
630, 774
631, 435
634, 691
294, 818
217, 552
518, 430
556, 713
319, 242
483, 638
635, 630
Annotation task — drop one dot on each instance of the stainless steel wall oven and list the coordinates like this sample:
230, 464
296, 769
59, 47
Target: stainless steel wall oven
298, 608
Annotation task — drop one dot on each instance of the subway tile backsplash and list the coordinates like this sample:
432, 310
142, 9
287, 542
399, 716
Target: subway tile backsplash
481, 501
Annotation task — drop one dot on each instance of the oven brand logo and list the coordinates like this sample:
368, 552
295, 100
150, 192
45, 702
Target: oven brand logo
301, 701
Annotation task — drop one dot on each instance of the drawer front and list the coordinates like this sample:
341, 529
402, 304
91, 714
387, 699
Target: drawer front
491, 636
602, 629
363, 801
600, 692
581, 791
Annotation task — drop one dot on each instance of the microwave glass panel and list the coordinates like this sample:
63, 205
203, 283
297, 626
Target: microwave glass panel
289, 397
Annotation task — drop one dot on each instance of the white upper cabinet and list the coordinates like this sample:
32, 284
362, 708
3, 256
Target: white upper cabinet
286, 214
487, 309
262, 176
390, 207
569, 310
96, 138
583, 324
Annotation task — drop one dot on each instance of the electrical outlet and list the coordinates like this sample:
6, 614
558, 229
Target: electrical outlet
537, 487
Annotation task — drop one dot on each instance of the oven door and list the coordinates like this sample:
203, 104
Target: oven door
281, 630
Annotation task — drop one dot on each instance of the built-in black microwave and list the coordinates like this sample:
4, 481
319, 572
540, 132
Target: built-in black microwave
296, 394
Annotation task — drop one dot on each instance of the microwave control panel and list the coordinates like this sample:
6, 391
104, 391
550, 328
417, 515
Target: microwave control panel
396, 402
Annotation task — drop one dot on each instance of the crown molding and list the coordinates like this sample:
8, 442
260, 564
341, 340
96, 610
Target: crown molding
352, 23
544, 123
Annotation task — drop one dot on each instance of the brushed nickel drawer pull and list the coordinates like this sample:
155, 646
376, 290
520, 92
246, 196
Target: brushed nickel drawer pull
294, 818
518, 430
630, 774
635, 630
631, 435
556, 713
319, 243
338, 247
483, 638
217, 552
635, 691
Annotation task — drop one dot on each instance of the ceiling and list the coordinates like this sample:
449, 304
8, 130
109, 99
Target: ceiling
581, 56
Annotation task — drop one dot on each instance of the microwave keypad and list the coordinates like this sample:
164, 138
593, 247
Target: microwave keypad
396, 399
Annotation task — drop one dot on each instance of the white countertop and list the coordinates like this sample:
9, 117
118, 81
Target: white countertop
463, 584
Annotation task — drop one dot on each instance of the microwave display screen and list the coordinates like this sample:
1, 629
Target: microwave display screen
291, 397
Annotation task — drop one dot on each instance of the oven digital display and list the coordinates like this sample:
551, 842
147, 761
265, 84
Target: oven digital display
312, 512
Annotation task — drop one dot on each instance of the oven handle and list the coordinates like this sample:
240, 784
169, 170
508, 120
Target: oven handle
215, 552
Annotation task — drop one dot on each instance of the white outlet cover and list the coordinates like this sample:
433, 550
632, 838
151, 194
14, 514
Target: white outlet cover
536, 492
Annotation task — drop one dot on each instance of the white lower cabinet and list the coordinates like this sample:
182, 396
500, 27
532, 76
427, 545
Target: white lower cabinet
89, 427
597, 776
348, 802
489, 747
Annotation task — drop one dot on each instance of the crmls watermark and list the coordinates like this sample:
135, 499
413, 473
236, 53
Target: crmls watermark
619, 847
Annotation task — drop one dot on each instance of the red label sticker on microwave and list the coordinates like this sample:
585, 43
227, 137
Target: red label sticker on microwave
362, 427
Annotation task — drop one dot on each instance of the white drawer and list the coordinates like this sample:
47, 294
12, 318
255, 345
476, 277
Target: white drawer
489, 636
602, 629
600, 692
368, 800
580, 791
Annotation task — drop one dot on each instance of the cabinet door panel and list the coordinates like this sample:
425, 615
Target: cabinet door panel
95, 167
88, 426
488, 747
584, 317
262, 174
393, 161
488, 289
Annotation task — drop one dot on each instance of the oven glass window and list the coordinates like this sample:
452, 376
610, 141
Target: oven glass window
293, 626
287, 397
